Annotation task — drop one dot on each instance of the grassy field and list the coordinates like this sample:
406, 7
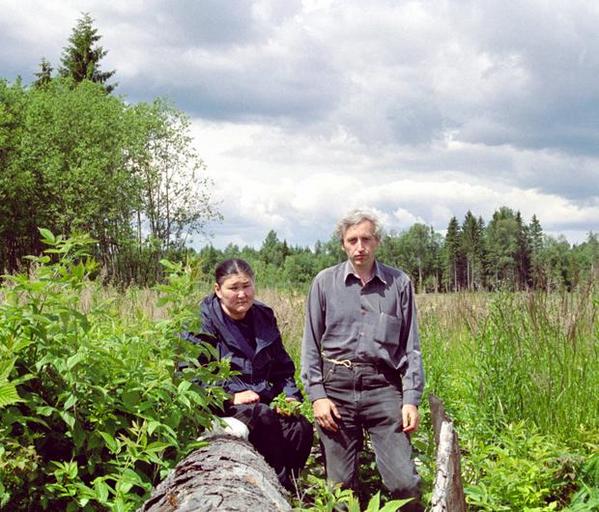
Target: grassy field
101, 414
518, 374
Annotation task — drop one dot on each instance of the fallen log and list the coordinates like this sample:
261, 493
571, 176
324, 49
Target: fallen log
448, 491
227, 475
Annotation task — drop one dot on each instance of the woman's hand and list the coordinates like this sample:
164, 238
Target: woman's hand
289, 409
246, 397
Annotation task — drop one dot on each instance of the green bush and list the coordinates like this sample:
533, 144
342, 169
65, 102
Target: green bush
93, 409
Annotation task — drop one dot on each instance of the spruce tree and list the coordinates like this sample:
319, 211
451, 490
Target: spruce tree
522, 255
535, 241
482, 254
44, 75
80, 59
471, 245
452, 254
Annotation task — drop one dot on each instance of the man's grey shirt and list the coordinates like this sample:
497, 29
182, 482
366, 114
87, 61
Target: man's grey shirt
374, 323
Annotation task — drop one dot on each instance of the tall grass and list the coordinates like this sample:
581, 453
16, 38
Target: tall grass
518, 374
537, 358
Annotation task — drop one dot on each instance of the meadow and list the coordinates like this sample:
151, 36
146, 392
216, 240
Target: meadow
96, 407
518, 374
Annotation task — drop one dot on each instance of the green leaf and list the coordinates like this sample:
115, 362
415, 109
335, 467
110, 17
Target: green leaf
74, 360
45, 410
157, 446
6, 367
129, 479
183, 386
131, 399
8, 394
374, 503
102, 490
79, 435
110, 441
152, 426
47, 236
70, 402
69, 419
392, 506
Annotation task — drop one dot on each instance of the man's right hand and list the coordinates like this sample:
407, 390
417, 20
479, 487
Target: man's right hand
325, 412
246, 397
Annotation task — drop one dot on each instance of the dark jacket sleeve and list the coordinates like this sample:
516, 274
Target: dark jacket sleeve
234, 383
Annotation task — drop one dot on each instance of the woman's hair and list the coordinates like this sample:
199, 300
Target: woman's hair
232, 266
356, 217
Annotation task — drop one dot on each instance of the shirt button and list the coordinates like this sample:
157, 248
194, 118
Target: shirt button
362, 334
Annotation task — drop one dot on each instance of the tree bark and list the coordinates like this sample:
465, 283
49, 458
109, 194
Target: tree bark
448, 491
227, 475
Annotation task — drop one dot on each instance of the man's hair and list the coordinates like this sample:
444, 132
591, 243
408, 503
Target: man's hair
356, 217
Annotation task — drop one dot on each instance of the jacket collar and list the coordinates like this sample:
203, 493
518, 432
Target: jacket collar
231, 333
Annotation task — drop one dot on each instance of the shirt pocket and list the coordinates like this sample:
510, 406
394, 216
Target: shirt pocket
387, 330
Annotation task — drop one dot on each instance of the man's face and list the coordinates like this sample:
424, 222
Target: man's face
360, 245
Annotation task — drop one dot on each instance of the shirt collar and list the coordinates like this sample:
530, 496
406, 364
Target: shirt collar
378, 272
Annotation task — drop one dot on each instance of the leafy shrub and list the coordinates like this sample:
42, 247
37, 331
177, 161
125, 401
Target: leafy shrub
101, 413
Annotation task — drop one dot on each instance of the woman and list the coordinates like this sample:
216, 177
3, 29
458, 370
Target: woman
246, 334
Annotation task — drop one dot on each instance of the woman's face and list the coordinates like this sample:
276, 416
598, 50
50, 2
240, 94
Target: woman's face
236, 294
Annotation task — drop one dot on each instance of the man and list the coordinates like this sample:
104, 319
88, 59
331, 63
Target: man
361, 361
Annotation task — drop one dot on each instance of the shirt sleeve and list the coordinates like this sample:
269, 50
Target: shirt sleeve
311, 373
413, 377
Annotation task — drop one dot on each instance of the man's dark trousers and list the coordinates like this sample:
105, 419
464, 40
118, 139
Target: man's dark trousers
368, 397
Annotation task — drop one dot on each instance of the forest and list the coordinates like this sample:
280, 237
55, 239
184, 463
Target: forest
98, 197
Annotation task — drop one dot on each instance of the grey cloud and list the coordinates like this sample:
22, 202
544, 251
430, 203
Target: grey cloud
189, 23
557, 47
302, 88
513, 84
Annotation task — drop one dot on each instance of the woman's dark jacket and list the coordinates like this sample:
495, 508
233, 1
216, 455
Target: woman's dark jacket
267, 369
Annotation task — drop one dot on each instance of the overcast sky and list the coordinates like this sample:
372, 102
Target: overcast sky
304, 109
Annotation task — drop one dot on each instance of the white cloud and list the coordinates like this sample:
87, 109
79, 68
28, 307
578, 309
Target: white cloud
299, 185
304, 109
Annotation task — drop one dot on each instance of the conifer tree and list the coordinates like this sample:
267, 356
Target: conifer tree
522, 255
44, 75
471, 245
482, 252
452, 254
80, 59
535, 241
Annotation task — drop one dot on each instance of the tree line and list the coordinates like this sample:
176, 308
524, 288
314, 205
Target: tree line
506, 253
76, 158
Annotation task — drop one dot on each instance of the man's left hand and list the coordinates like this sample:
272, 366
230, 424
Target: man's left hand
410, 418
